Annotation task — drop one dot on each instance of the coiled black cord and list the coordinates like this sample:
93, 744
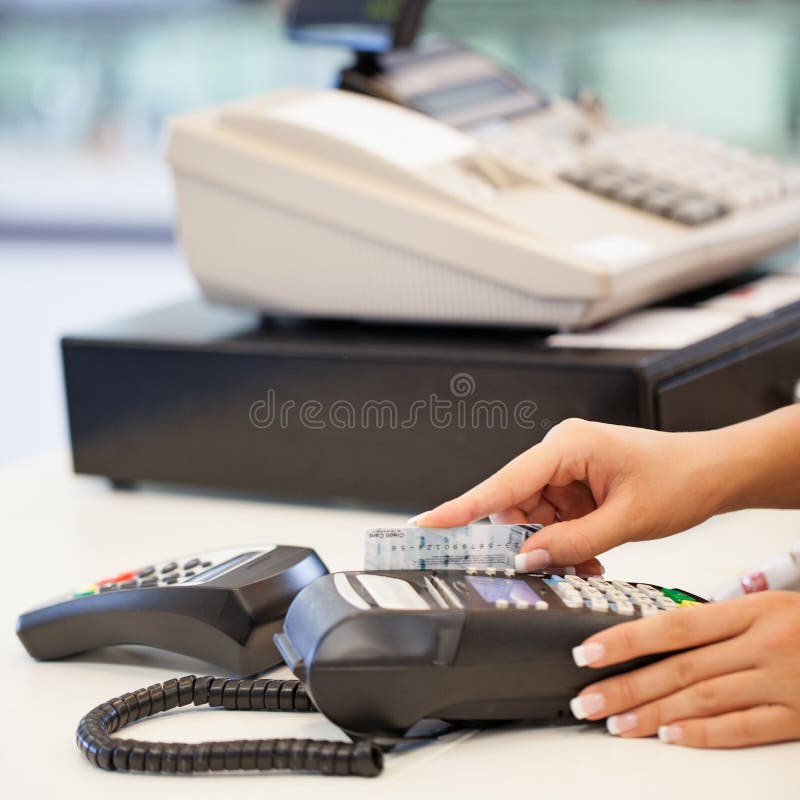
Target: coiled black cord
308, 755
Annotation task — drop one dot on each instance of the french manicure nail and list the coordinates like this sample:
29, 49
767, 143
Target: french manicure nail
670, 733
619, 723
532, 560
585, 705
585, 654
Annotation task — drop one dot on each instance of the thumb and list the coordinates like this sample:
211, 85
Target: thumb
565, 544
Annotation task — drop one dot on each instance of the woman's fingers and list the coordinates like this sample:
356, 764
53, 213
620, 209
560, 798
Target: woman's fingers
543, 513
521, 479
721, 695
510, 516
590, 567
577, 540
760, 725
675, 630
572, 501
664, 678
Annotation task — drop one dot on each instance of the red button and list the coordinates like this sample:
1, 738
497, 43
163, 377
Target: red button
105, 581
125, 576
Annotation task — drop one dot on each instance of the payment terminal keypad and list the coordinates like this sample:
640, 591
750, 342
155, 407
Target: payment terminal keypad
506, 589
194, 568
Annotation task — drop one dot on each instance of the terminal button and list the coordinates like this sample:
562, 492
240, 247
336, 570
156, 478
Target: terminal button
624, 608
598, 604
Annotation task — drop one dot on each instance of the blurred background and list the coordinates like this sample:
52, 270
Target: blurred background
86, 86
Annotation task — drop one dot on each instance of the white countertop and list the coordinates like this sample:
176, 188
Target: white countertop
62, 531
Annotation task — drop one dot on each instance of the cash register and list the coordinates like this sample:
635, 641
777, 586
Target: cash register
432, 187
444, 189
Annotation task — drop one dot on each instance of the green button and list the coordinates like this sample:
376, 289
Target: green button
677, 595
85, 592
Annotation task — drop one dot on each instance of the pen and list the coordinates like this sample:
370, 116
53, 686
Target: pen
781, 573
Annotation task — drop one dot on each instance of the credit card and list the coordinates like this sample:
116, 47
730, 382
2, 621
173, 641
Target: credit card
479, 545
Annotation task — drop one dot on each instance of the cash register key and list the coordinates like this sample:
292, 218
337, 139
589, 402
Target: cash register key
491, 572
521, 604
472, 571
598, 583
590, 591
572, 601
509, 572
649, 611
575, 580
542, 605
501, 603
622, 586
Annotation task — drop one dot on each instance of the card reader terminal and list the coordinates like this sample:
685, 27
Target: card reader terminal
223, 606
378, 651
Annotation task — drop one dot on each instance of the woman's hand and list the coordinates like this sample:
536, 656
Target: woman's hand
739, 684
595, 486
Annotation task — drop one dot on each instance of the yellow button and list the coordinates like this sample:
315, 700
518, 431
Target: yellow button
687, 603
85, 591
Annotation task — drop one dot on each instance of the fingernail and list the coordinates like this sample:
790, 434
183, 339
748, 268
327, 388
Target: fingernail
570, 571
585, 705
619, 723
585, 654
532, 560
415, 520
670, 733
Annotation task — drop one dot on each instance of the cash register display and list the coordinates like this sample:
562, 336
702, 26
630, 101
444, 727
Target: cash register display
512, 590
366, 26
451, 98
456, 85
